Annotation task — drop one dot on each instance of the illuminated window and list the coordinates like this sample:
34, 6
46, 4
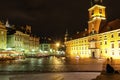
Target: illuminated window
105, 42
112, 45
2, 32
106, 51
100, 38
119, 44
119, 34
112, 53
101, 52
82, 48
112, 36
100, 11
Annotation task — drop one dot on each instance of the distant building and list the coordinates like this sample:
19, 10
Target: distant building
22, 41
34, 44
48, 46
100, 40
3, 36
45, 47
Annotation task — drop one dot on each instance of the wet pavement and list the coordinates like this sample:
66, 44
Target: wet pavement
52, 76
52, 64
53, 68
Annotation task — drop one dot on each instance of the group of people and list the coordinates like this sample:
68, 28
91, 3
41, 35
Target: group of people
109, 60
109, 67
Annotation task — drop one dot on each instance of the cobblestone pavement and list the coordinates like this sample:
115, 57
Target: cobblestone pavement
108, 77
52, 76
115, 63
52, 64
82, 64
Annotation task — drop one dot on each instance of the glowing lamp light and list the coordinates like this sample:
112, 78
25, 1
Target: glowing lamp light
9, 48
33, 50
57, 44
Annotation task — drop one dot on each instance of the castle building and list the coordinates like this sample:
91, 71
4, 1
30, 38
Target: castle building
100, 40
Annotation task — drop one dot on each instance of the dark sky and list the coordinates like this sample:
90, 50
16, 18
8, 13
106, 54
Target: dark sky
52, 17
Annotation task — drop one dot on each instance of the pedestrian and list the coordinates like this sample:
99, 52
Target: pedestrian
108, 60
111, 59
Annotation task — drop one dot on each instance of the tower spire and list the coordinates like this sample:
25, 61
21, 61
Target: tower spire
7, 23
99, 2
66, 35
66, 31
91, 3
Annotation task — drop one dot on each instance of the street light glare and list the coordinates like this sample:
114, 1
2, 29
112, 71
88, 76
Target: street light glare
57, 44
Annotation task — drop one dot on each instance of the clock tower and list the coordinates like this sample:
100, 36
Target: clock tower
96, 16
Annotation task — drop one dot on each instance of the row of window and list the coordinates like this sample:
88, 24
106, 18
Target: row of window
112, 44
113, 53
77, 42
100, 11
84, 41
79, 48
112, 36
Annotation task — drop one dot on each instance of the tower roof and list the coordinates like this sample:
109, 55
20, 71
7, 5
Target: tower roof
113, 25
96, 6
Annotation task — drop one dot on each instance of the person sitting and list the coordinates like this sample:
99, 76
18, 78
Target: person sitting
109, 69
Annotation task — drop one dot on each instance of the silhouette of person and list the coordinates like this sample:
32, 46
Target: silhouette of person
109, 69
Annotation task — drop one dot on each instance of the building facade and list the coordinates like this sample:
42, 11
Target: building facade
3, 36
34, 44
23, 41
100, 40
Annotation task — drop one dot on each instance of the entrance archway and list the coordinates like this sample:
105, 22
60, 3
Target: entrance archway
93, 54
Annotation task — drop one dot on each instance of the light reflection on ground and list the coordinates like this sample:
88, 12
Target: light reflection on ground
52, 64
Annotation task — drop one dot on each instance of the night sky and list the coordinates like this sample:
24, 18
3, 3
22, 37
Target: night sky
52, 17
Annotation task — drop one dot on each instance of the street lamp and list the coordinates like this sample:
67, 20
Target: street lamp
57, 44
